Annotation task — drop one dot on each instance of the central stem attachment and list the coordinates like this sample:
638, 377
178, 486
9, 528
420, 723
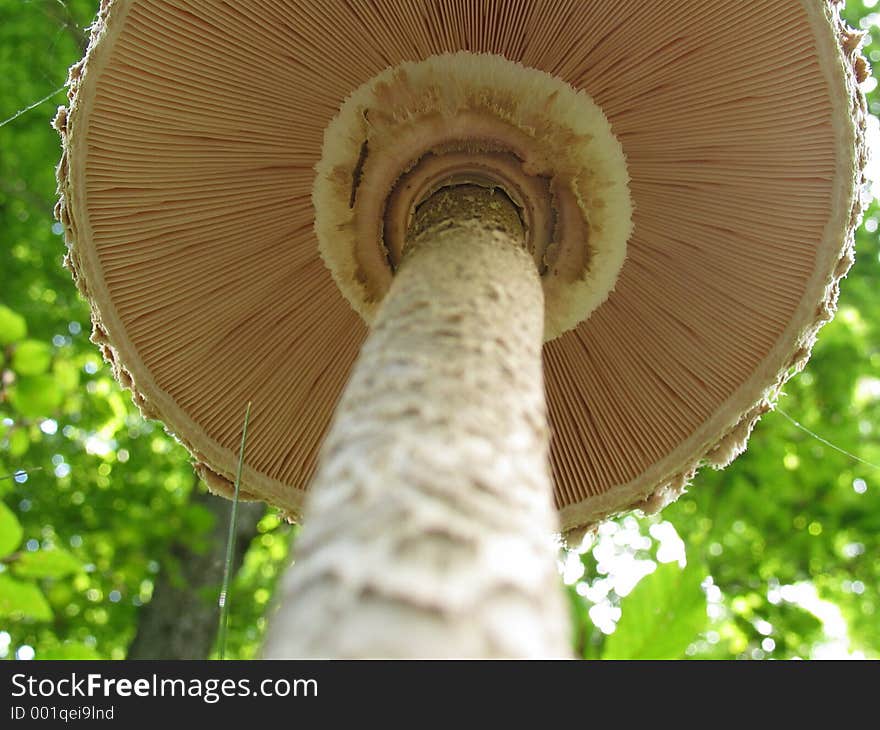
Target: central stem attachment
466, 205
430, 520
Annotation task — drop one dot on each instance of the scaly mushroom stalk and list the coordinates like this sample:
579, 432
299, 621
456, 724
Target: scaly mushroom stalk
429, 522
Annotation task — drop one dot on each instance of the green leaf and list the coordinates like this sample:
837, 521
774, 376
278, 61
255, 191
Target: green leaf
19, 442
199, 520
12, 326
10, 531
71, 650
54, 563
31, 357
661, 617
36, 396
22, 600
66, 375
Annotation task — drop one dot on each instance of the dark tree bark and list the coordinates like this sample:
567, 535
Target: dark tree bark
181, 620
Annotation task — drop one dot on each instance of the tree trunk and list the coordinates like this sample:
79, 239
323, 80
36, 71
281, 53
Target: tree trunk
429, 526
181, 620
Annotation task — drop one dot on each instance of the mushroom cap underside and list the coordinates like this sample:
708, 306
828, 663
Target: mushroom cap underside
189, 153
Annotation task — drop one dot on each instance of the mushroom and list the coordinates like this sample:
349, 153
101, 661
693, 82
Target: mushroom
641, 210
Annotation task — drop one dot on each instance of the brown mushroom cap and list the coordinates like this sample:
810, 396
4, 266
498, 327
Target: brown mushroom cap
189, 154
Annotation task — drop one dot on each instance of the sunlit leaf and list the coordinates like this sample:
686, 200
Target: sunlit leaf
20, 599
36, 396
71, 650
31, 357
18, 441
664, 613
54, 563
66, 375
10, 531
12, 326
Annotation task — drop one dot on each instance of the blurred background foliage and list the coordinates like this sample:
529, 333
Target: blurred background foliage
109, 546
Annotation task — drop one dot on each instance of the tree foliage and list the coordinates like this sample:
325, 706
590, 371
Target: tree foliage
95, 502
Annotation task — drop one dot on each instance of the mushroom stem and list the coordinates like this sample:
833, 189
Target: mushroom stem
430, 519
